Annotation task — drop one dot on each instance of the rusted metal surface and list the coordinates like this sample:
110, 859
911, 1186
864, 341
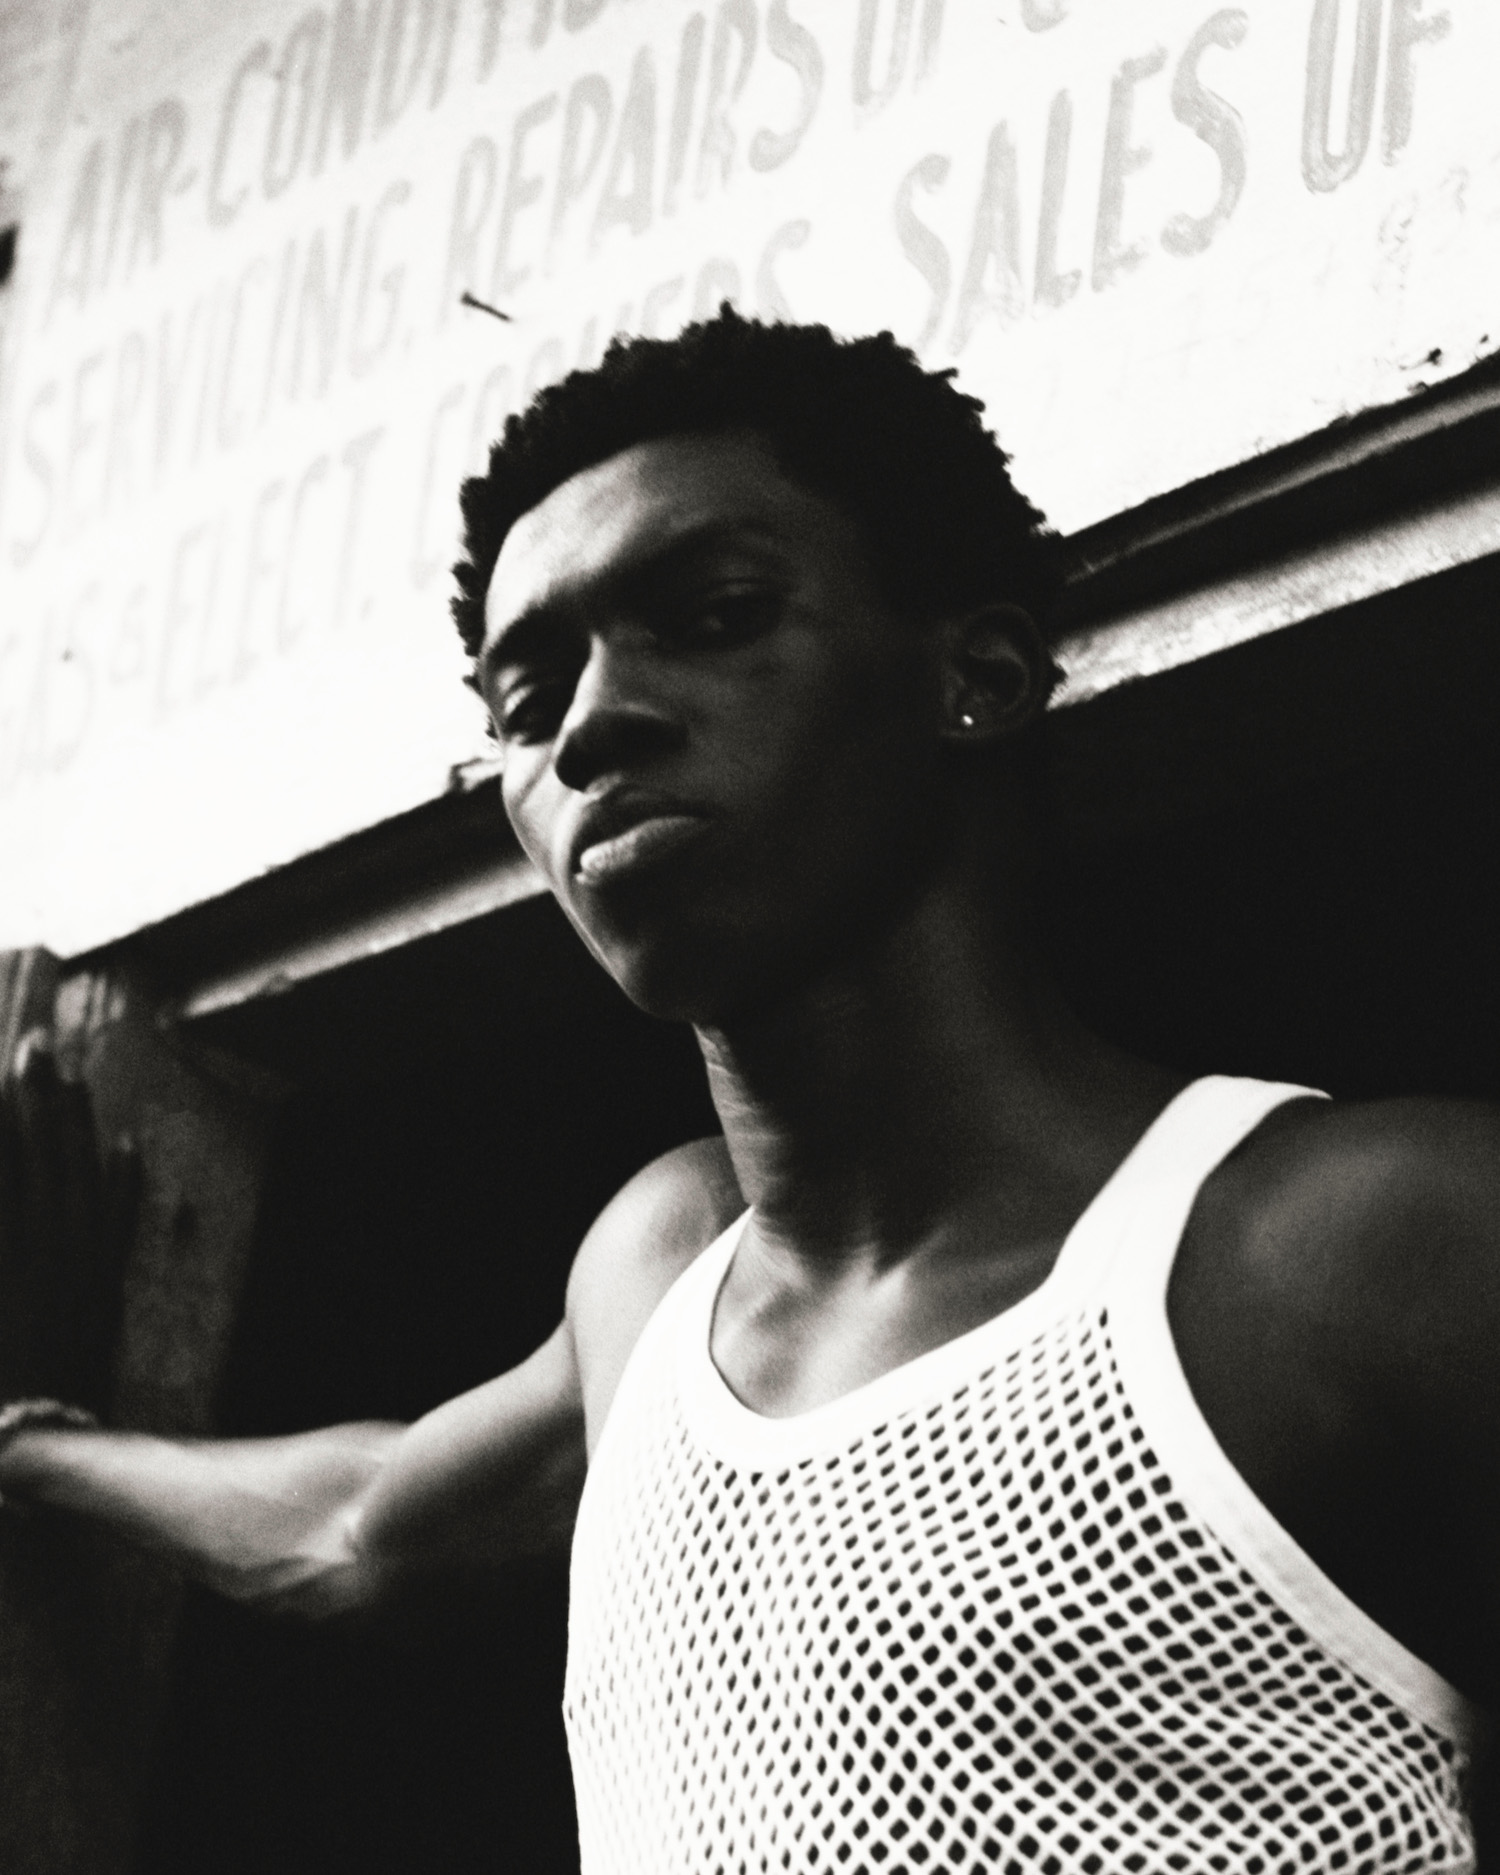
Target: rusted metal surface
86, 1626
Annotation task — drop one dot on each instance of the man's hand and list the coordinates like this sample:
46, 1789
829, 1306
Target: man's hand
67, 1215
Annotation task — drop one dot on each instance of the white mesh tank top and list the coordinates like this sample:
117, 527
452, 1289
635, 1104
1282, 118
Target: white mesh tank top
1008, 1607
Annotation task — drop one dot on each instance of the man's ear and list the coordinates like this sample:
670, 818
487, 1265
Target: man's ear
996, 674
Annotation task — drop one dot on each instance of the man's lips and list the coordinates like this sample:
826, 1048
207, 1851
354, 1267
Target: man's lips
653, 833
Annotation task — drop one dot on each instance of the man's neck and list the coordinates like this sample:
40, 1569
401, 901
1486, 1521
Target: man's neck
931, 1077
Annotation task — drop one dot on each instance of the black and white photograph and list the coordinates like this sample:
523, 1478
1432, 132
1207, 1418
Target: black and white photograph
749, 1015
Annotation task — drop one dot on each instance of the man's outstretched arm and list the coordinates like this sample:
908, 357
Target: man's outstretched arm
336, 1519
339, 1519
328, 1521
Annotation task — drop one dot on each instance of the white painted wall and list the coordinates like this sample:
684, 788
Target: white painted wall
238, 389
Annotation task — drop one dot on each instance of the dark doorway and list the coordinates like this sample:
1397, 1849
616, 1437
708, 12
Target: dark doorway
423, 1211
1279, 861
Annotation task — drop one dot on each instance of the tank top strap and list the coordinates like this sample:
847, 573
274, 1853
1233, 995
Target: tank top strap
1145, 1202
1212, 1117
678, 1322
1007, 1588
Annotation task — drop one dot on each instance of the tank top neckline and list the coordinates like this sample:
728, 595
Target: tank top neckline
1190, 1135
1012, 1589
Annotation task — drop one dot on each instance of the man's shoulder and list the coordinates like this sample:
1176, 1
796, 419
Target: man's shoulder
1336, 1309
1378, 1220
663, 1219
1359, 1172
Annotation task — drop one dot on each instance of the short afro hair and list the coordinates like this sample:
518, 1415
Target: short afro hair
857, 421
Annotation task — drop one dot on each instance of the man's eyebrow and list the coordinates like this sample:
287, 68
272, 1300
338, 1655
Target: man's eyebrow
530, 629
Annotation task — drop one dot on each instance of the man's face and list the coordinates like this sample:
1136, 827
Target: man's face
720, 744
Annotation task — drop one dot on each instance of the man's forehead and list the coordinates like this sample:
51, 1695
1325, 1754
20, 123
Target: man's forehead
635, 504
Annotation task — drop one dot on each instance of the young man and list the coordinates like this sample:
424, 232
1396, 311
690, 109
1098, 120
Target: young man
1057, 1467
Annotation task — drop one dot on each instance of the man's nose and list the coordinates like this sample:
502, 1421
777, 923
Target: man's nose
618, 717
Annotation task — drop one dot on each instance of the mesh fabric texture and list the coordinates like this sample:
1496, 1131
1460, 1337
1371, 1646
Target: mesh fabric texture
982, 1630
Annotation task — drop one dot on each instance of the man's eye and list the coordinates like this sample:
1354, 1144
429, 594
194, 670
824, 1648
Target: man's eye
532, 712
730, 616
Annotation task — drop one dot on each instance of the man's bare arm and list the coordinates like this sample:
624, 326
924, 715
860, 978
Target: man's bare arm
337, 1519
341, 1518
